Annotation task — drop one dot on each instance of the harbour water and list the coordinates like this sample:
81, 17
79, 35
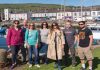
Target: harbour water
3, 42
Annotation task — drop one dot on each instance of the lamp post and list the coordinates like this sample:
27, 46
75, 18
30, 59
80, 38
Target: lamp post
64, 8
82, 10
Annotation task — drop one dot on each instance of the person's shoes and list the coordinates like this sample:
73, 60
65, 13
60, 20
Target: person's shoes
73, 65
37, 65
59, 68
55, 65
24, 62
30, 65
82, 68
45, 63
13, 65
90, 69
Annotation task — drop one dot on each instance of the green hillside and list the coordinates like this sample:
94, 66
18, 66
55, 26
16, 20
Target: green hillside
37, 7
32, 7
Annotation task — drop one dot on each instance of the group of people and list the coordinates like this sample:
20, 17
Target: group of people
51, 42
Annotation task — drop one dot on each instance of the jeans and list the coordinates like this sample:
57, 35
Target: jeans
14, 51
33, 49
43, 50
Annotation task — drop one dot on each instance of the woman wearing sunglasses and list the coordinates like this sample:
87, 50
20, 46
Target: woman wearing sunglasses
55, 45
31, 40
43, 36
15, 41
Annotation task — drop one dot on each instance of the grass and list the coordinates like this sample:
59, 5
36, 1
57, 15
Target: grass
66, 63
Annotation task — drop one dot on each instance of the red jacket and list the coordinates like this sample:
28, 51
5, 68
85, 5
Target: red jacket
15, 37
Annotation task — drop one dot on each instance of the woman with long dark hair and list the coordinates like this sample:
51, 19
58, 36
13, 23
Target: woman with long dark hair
43, 41
55, 44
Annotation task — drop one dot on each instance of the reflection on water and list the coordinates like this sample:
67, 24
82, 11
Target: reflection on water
3, 42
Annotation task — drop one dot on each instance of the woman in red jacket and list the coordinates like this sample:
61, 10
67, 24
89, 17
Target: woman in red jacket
15, 40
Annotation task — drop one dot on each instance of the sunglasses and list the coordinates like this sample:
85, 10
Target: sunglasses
81, 24
44, 24
16, 23
54, 25
31, 25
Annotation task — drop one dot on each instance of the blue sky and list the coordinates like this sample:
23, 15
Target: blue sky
68, 2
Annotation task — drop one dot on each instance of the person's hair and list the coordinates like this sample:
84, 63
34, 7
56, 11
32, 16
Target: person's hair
43, 24
16, 21
31, 24
52, 27
69, 21
25, 22
12, 26
82, 22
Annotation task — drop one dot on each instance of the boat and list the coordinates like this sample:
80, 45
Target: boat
96, 33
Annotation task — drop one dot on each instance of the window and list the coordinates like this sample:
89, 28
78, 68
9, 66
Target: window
93, 13
85, 13
94, 29
45, 14
80, 13
98, 13
75, 14
58, 14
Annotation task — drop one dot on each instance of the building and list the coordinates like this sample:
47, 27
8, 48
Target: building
18, 16
6, 14
53, 15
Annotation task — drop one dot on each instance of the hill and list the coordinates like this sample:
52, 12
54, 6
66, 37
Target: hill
37, 7
34, 7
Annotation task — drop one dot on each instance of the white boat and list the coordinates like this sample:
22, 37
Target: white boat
96, 32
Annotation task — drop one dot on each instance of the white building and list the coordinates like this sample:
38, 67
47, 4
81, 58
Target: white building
76, 16
56, 15
95, 13
6, 14
38, 15
19, 16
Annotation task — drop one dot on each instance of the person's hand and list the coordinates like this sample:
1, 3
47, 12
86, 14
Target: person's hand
92, 48
27, 45
9, 46
62, 46
36, 45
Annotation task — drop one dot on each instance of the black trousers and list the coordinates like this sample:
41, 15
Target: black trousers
15, 49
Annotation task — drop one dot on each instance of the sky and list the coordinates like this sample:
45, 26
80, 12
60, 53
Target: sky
67, 2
